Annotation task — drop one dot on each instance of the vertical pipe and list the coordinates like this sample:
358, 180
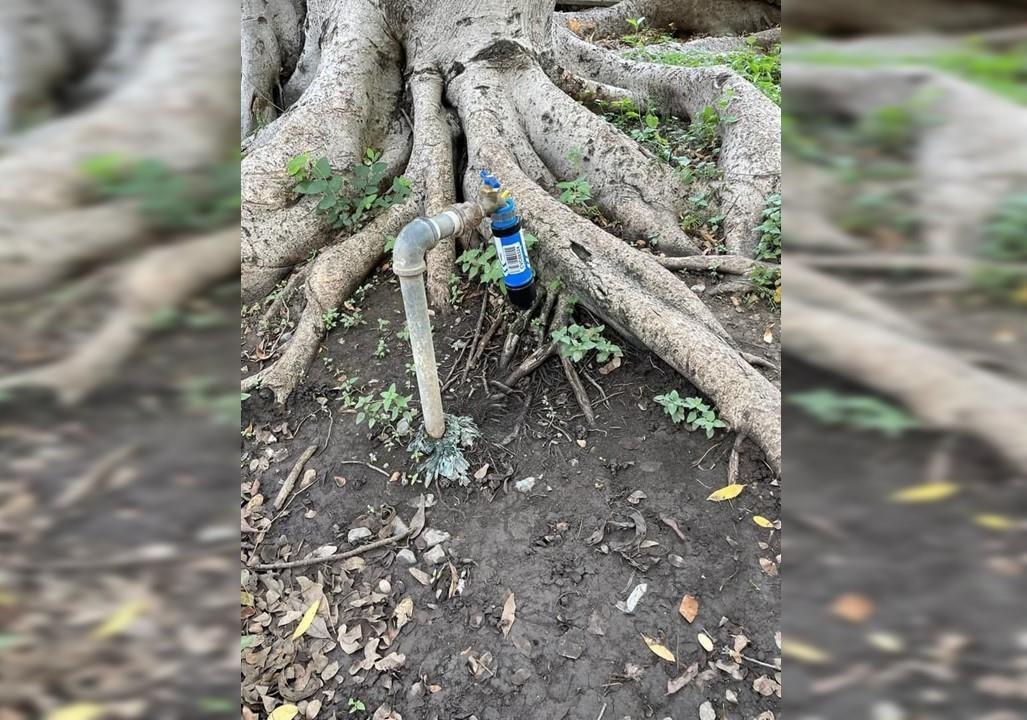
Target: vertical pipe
415, 305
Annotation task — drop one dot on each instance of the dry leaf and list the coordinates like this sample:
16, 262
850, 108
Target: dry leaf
403, 612
509, 615
658, 650
78, 711
996, 522
762, 521
803, 653
928, 492
392, 661
853, 608
675, 684
628, 606
706, 711
610, 366
689, 607
726, 493
308, 619
284, 712
705, 641
481, 472
121, 619
765, 686
886, 642
768, 566
421, 576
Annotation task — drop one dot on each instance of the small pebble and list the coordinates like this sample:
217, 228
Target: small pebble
357, 534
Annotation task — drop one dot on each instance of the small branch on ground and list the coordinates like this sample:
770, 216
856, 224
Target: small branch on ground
290, 480
376, 545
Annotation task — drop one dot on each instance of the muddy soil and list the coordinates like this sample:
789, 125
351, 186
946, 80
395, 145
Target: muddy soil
570, 653
122, 508
946, 633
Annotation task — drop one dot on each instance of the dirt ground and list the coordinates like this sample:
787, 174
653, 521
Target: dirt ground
939, 631
117, 527
570, 652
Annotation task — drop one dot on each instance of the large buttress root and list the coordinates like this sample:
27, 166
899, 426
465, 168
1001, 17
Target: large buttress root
340, 114
628, 184
627, 287
272, 39
160, 279
706, 17
750, 153
340, 269
139, 118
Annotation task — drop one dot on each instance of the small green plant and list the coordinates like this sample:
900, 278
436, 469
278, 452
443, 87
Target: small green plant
353, 705
769, 246
482, 264
1006, 230
387, 408
330, 318
352, 319
693, 411
382, 349
404, 333
456, 289
860, 412
445, 457
169, 199
348, 201
202, 395
577, 193
577, 341
643, 35
766, 280
383, 325
761, 68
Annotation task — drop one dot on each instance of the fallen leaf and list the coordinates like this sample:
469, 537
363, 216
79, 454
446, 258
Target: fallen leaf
509, 615
121, 619
996, 522
886, 642
689, 607
78, 711
284, 712
706, 711
307, 620
628, 606
762, 521
481, 472
392, 661
658, 650
765, 686
803, 653
610, 366
245, 598
705, 641
245, 641
853, 608
403, 612
768, 566
726, 493
928, 492
581, 443
672, 524
421, 576
675, 684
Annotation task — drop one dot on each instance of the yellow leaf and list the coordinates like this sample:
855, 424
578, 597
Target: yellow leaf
705, 641
78, 711
307, 621
286, 712
658, 650
762, 521
928, 492
726, 493
803, 652
121, 619
995, 522
245, 598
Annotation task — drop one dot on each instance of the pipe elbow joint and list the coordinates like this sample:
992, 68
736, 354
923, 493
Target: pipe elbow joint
412, 244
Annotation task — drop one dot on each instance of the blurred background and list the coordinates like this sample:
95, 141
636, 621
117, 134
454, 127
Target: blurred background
119, 412
904, 326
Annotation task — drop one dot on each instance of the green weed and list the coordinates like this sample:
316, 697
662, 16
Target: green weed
577, 341
693, 411
859, 412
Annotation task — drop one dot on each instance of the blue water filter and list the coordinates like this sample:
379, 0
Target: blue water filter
511, 250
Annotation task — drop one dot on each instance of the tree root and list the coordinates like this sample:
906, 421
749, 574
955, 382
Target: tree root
728, 264
938, 387
703, 17
750, 155
628, 183
160, 279
579, 390
271, 43
333, 119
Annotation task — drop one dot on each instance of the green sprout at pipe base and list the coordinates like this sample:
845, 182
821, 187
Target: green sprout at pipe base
444, 457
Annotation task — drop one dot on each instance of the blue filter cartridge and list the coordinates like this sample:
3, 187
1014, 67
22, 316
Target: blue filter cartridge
518, 276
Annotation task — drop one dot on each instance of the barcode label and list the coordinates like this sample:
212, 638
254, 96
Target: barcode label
513, 259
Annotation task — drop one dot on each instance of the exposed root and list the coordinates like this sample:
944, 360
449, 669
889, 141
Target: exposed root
333, 277
702, 17
271, 43
956, 265
579, 390
750, 155
162, 278
938, 387
513, 334
728, 264
38, 250
140, 118
341, 114
628, 183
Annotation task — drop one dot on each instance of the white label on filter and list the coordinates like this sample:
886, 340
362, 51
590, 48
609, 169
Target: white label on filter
511, 257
